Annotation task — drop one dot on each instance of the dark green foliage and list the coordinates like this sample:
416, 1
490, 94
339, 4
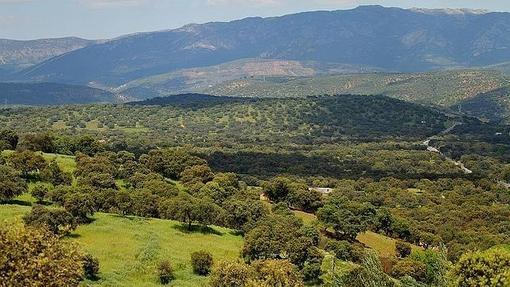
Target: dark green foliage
98, 180
197, 173
242, 214
53, 174
11, 183
202, 262
38, 142
346, 218
80, 205
171, 162
295, 193
39, 192
165, 272
27, 162
402, 249
51, 94
59, 193
412, 268
90, 267
189, 210
8, 139
58, 221
276, 237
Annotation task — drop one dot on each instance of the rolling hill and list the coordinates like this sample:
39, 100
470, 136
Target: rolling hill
51, 94
438, 88
368, 37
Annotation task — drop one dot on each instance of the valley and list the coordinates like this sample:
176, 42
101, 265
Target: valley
368, 146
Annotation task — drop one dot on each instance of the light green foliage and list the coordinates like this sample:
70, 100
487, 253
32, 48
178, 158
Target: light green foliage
489, 268
26, 252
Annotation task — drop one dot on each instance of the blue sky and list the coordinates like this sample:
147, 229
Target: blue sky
101, 19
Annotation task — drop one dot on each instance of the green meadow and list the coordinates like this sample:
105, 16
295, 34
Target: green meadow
129, 248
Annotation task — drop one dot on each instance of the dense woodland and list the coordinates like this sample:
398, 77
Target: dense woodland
252, 166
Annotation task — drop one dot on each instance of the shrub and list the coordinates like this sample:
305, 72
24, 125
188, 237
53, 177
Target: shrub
58, 221
202, 262
231, 274
402, 249
311, 272
11, 183
277, 273
165, 272
412, 268
345, 251
90, 267
488, 268
37, 258
39, 191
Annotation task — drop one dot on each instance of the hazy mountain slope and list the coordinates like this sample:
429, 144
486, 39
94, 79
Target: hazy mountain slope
493, 105
202, 78
393, 39
51, 94
437, 88
16, 55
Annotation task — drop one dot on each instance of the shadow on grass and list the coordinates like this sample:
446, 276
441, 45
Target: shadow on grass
16, 202
73, 235
196, 229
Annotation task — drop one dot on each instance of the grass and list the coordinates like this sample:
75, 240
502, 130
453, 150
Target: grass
384, 245
308, 218
129, 248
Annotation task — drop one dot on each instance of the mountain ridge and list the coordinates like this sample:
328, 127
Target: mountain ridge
392, 39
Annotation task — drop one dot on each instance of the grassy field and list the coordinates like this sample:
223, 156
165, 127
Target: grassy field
66, 162
129, 248
382, 244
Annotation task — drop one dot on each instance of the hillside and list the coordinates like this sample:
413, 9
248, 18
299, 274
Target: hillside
51, 94
493, 105
140, 244
368, 37
16, 55
438, 88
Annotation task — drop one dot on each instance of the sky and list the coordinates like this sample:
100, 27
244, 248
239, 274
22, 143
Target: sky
105, 19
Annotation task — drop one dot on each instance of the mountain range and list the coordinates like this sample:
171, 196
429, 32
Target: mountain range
368, 37
17, 55
418, 55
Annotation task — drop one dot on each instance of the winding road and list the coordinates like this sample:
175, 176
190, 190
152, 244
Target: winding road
436, 150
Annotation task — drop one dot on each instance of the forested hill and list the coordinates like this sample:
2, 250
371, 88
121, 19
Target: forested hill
312, 118
369, 37
51, 94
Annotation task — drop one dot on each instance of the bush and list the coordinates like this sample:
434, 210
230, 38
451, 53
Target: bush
488, 268
311, 272
231, 274
412, 268
90, 267
58, 221
402, 249
345, 251
39, 191
165, 272
37, 258
202, 262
